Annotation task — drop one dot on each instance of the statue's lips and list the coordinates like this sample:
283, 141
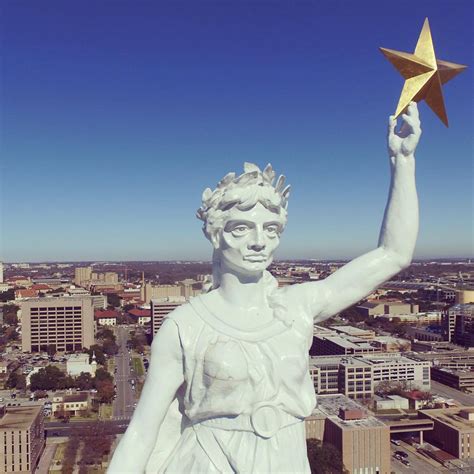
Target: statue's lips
255, 258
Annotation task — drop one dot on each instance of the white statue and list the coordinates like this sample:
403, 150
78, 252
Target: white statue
228, 387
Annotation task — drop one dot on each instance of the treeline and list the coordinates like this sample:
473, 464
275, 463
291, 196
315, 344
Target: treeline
52, 378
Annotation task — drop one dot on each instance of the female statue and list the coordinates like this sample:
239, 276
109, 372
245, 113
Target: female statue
228, 387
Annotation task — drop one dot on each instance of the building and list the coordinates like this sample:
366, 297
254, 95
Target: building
1, 272
352, 331
106, 317
377, 308
65, 323
362, 439
70, 404
461, 378
160, 307
458, 324
82, 275
453, 430
99, 301
391, 402
465, 295
22, 439
141, 316
333, 344
78, 363
391, 344
357, 377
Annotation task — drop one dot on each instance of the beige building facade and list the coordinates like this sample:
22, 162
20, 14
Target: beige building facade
65, 323
160, 307
22, 439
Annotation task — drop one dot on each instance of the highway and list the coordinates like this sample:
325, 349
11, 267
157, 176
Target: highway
123, 405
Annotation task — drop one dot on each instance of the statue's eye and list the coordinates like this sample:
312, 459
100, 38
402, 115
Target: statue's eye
272, 230
240, 229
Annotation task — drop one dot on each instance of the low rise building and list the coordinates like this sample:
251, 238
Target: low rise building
352, 331
375, 308
334, 344
78, 363
362, 439
140, 315
106, 317
22, 438
461, 379
70, 404
453, 430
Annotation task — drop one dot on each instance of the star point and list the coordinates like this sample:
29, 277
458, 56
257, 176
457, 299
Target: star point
424, 74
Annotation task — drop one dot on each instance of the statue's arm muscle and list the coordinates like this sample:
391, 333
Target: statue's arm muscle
399, 230
164, 377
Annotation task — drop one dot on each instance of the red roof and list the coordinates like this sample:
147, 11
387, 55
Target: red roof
40, 286
107, 313
140, 312
26, 293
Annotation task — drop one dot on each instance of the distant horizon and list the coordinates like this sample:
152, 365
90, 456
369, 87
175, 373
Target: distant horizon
339, 259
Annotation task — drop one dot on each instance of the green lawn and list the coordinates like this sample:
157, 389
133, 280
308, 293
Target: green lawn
105, 411
138, 366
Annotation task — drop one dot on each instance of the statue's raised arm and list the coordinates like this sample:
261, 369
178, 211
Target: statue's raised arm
398, 233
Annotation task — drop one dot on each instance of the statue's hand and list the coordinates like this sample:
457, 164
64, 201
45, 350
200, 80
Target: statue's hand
405, 141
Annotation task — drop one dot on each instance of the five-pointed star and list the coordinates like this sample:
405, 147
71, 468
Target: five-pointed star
423, 73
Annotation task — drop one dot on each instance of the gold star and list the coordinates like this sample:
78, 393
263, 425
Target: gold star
423, 73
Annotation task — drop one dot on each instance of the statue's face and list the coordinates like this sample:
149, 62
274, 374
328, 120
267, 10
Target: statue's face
249, 239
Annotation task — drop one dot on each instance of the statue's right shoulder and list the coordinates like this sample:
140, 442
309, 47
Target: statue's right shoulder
185, 318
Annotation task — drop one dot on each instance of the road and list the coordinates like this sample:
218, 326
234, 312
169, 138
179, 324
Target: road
418, 463
123, 404
449, 392
55, 428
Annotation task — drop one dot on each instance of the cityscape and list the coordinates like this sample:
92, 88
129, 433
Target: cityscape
118, 118
393, 374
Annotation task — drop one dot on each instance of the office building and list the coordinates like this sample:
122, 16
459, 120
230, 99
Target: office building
352, 331
459, 378
160, 307
453, 430
458, 324
82, 275
334, 344
357, 377
67, 324
22, 438
362, 439
377, 308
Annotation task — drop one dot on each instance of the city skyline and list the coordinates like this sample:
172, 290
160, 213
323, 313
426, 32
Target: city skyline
116, 118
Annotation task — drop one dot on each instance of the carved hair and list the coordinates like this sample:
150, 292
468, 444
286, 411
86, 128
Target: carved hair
243, 192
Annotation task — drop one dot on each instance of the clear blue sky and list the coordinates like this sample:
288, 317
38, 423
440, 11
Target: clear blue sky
116, 115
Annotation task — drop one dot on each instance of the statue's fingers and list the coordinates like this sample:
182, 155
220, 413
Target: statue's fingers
392, 123
408, 120
413, 112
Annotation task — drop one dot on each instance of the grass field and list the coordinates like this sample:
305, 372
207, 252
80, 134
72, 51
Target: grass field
105, 411
138, 366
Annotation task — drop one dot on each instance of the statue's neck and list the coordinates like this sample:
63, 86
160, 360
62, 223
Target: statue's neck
242, 291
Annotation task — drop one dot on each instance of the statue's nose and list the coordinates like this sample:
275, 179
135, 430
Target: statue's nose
258, 242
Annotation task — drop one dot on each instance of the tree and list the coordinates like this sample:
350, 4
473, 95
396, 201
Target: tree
105, 333
325, 459
109, 347
84, 381
102, 375
10, 315
16, 380
8, 295
105, 390
50, 378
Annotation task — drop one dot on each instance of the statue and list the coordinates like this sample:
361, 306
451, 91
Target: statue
228, 387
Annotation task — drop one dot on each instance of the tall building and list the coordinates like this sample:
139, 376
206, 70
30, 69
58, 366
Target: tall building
1, 272
65, 323
160, 307
458, 324
22, 438
82, 274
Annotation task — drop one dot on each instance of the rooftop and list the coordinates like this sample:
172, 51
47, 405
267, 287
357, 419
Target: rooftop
451, 417
331, 405
19, 417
